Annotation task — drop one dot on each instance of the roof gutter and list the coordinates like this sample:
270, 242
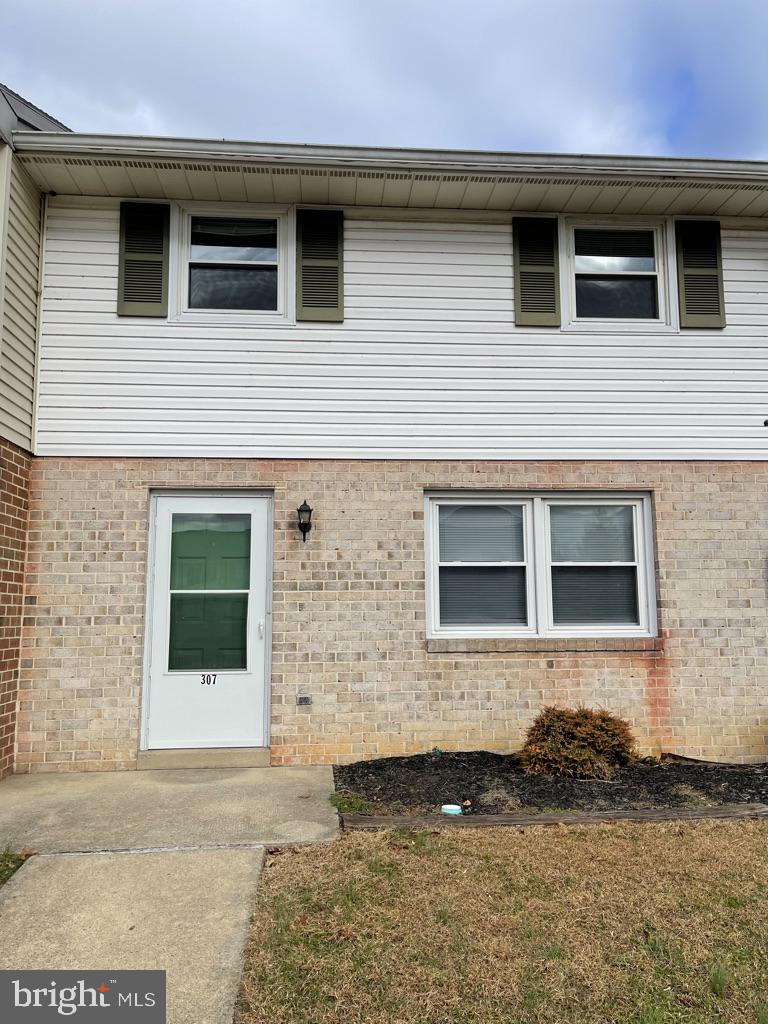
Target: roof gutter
409, 160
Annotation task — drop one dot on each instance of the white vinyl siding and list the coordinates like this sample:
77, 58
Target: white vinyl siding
427, 363
19, 321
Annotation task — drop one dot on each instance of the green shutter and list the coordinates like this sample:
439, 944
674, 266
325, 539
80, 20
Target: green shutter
700, 273
319, 265
142, 286
537, 277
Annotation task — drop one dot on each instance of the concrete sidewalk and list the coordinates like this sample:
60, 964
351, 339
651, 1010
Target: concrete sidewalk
166, 809
177, 897
185, 913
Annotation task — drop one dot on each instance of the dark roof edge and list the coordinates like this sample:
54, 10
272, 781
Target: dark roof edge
17, 113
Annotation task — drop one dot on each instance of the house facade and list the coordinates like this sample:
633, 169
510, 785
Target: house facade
519, 400
20, 242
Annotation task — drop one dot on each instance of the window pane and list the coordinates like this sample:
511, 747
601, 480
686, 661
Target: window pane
590, 596
208, 631
210, 552
614, 243
620, 298
477, 596
481, 533
614, 264
232, 287
230, 239
592, 533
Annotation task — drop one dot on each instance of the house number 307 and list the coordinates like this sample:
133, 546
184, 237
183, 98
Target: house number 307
208, 679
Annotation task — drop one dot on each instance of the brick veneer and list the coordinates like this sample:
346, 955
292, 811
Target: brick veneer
349, 613
14, 486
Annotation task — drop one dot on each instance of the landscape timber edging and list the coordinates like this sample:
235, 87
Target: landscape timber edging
368, 822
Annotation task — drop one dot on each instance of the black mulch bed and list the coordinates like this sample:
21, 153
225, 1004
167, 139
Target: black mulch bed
496, 784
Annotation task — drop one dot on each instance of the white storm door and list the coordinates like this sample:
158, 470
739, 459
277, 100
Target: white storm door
209, 630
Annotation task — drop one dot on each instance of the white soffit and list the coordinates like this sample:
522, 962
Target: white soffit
339, 176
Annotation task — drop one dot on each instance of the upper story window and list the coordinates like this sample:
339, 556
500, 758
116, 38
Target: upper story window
617, 275
233, 263
230, 262
541, 566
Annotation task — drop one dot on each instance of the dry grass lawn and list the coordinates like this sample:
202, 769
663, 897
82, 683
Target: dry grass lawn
9, 864
637, 924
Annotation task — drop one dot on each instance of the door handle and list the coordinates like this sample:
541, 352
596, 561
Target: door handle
261, 629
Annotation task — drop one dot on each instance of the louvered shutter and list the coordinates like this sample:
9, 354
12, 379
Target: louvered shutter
537, 278
142, 287
700, 273
319, 265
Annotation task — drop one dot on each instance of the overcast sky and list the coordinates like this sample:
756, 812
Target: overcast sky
678, 77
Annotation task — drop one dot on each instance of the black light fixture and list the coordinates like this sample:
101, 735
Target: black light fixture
304, 513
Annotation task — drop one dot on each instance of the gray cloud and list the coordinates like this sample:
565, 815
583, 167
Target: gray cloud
558, 75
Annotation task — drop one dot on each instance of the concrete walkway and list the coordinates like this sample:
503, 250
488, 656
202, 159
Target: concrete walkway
166, 809
167, 878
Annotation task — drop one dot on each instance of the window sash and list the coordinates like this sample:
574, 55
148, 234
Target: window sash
190, 262
551, 504
613, 271
660, 274
210, 257
539, 564
199, 261
552, 563
223, 268
530, 594
492, 596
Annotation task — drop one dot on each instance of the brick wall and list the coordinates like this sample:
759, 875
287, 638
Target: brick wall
349, 613
14, 484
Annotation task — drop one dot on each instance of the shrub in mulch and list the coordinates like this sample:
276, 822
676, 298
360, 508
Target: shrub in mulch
577, 743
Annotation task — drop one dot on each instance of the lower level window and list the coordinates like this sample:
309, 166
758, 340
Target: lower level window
541, 566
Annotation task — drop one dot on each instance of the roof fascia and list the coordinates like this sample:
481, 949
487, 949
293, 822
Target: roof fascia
413, 160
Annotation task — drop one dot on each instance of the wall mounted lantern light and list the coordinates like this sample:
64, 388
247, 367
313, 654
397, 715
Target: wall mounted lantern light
304, 513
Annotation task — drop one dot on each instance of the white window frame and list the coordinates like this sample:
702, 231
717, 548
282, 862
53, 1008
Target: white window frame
537, 553
181, 231
668, 318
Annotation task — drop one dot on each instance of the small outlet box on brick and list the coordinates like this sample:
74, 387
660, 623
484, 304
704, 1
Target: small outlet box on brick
303, 698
